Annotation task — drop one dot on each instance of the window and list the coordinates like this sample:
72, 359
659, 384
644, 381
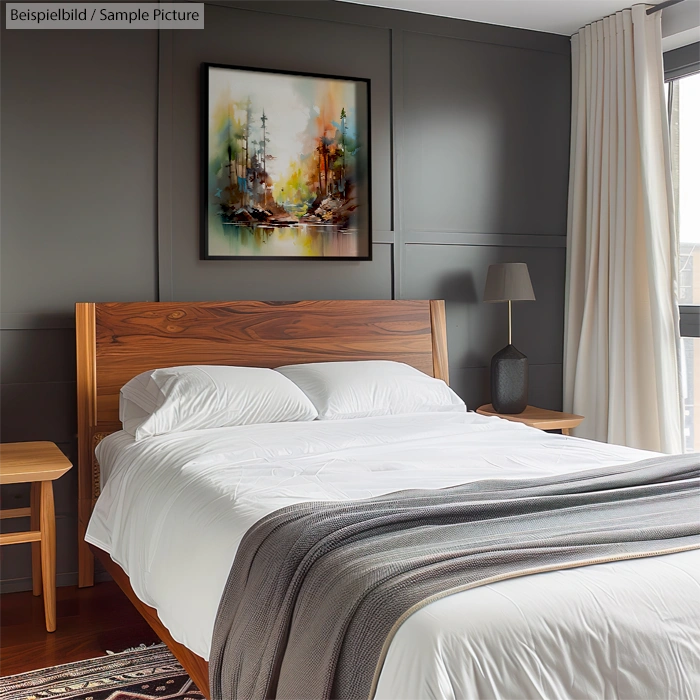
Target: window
683, 94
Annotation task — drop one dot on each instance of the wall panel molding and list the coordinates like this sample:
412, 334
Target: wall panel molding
165, 165
510, 240
383, 237
397, 138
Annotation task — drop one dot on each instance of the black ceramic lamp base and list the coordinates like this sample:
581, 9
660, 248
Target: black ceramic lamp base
509, 381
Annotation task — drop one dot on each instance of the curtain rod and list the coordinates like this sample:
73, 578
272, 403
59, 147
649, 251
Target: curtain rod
662, 5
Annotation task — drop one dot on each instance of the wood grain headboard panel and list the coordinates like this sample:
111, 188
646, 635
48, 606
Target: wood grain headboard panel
117, 341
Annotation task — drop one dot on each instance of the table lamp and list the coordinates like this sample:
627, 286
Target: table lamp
508, 282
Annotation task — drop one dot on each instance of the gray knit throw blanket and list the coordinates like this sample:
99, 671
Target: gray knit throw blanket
317, 590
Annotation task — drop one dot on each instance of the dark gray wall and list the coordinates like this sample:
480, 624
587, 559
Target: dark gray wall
78, 222
100, 168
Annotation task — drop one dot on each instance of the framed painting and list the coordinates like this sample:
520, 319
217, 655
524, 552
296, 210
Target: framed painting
286, 165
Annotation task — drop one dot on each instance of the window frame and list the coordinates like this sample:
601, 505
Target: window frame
680, 63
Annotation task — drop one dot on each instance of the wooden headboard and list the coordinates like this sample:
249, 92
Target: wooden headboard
117, 341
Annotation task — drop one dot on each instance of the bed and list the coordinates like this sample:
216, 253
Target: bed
116, 341
590, 631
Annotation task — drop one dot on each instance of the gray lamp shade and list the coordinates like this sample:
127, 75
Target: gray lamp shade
508, 282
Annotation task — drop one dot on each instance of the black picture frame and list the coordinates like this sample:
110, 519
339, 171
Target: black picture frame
362, 187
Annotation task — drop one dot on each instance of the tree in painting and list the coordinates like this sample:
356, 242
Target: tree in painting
283, 165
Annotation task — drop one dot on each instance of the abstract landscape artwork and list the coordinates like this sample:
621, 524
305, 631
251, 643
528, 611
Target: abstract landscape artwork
286, 165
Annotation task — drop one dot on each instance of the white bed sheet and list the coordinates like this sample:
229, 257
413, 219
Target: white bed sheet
174, 508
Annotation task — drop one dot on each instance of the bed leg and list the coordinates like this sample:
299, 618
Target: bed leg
86, 560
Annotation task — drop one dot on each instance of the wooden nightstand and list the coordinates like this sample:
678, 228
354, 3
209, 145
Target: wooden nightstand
38, 463
541, 418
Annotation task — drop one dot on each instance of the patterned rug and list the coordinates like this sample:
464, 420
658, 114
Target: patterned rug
147, 673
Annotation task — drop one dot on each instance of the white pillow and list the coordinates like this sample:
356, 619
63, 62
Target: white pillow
370, 388
205, 396
138, 398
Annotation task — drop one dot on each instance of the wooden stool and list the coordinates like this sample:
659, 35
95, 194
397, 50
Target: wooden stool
38, 463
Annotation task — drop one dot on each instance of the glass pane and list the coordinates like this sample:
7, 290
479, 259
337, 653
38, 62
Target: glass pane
688, 154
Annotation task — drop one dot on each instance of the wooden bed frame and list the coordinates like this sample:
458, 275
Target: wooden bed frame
117, 341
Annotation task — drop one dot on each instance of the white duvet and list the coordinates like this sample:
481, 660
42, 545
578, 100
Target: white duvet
174, 508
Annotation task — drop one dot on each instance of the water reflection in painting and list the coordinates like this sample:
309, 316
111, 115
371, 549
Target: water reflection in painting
303, 240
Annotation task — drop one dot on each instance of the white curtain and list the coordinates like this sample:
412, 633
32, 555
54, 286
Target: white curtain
622, 344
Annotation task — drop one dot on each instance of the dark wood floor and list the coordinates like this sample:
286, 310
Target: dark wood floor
90, 621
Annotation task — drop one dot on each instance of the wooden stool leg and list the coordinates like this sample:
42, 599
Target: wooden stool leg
48, 554
564, 431
36, 546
